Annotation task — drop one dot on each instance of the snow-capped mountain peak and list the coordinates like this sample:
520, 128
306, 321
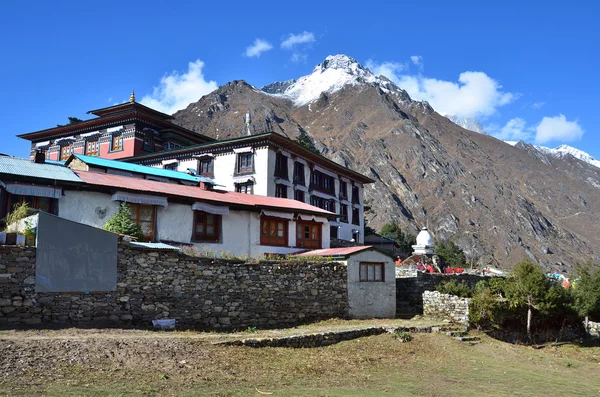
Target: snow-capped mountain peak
563, 150
468, 123
331, 75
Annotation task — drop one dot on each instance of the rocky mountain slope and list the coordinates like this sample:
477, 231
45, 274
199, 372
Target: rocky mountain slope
498, 202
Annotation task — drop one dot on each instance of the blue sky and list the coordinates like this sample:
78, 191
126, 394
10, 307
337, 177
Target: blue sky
524, 69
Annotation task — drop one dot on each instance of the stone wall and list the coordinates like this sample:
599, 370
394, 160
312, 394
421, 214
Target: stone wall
409, 290
447, 307
593, 329
198, 292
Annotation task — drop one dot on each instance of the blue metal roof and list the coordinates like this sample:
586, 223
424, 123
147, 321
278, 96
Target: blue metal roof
25, 167
141, 169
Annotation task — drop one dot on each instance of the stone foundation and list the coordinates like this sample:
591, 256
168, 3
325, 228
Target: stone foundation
199, 293
448, 307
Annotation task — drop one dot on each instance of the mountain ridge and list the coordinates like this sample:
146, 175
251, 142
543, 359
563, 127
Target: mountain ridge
498, 202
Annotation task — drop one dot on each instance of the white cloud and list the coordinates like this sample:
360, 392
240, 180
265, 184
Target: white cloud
558, 128
475, 94
298, 57
514, 130
416, 59
175, 91
295, 39
538, 105
258, 47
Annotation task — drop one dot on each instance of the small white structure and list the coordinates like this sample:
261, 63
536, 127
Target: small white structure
424, 244
371, 279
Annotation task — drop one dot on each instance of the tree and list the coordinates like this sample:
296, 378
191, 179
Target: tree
451, 254
72, 120
122, 223
529, 287
304, 140
586, 290
393, 231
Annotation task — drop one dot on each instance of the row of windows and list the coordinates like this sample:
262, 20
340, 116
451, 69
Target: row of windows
207, 228
92, 147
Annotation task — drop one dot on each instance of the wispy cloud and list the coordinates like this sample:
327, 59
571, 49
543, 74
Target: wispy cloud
558, 128
258, 47
475, 94
416, 59
514, 130
538, 105
294, 39
177, 90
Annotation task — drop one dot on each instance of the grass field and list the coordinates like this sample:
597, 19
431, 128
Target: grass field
430, 365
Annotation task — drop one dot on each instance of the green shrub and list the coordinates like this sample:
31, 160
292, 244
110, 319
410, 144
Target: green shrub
485, 311
402, 336
451, 287
18, 212
122, 223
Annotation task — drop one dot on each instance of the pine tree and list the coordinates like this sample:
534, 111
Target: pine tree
304, 140
451, 254
122, 223
405, 240
586, 290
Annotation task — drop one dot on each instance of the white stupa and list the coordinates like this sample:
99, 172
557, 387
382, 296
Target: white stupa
424, 244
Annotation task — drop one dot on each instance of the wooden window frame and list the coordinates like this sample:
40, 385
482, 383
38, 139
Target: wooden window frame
302, 242
34, 202
299, 177
344, 213
149, 142
206, 238
95, 147
322, 182
248, 159
63, 155
298, 192
135, 216
355, 219
281, 166
247, 186
343, 190
209, 162
171, 166
116, 138
270, 240
281, 190
355, 195
365, 276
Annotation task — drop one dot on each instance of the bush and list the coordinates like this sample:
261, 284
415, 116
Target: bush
451, 254
122, 223
485, 311
451, 287
402, 336
18, 212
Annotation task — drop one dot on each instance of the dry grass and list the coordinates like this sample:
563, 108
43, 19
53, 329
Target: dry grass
430, 365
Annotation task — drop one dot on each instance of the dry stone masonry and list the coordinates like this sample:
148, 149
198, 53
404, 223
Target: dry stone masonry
450, 307
593, 329
197, 292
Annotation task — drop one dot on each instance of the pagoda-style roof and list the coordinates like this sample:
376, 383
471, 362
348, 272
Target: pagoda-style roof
118, 114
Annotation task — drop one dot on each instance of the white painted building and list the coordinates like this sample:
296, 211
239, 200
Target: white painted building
272, 165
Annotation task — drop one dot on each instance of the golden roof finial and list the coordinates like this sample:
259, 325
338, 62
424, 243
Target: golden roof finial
132, 97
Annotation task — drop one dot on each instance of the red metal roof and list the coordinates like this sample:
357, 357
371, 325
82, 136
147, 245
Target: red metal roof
196, 193
336, 251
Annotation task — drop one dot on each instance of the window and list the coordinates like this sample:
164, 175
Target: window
46, 204
246, 188
281, 166
308, 235
149, 141
333, 231
344, 190
299, 195
206, 227
244, 164
299, 173
206, 167
92, 147
171, 146
144, 216
322, 182
355, 198
355, 216
281, 190
65, 151
273, 231
171, 166
371, 272
344, 213
116, 142
327, 205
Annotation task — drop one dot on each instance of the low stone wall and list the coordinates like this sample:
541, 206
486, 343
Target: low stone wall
593, 329
446, 306
409, 290
197, 292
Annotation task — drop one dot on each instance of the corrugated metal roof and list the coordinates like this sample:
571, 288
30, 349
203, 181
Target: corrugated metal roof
347, 251
196, 193
26, 167
141, 169
156, 246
